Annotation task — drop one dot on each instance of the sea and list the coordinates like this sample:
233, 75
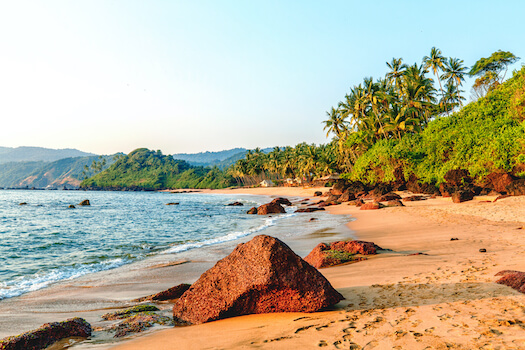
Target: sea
44, 241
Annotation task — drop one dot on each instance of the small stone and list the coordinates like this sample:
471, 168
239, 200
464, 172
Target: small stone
173, 203
454, 239
71, 206
482, 250
84, 202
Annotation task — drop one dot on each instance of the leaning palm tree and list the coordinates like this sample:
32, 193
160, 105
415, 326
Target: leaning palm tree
335, 123
435, 62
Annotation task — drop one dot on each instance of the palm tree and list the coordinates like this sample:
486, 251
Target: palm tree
435, 62
397, 70
335, 123
454, 73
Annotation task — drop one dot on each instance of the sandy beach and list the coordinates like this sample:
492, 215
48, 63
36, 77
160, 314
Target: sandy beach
444, 298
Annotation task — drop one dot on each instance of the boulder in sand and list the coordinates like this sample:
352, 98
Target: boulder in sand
371, 206
513, 279
261, 276
47, 334
340, 252
462, 196
270, 208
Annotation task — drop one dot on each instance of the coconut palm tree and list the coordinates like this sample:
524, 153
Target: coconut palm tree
436, 62
454, 73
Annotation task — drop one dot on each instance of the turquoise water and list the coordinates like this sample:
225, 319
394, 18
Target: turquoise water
45, 241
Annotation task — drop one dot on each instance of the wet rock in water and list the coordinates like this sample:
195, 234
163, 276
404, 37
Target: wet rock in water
282, 201
235, 204
308, 210
118, 315
47, 334
140, 322
23, 203
462, 196
516, 188
318, 193
261, 276
388, 197
395, 203
173, 203
312, 219
336, 253
252, 211
270, 208
168, 294
513, 279
84, 202
371, 206
71, 206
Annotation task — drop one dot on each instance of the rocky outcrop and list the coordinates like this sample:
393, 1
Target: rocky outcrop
462, 196
168, 294
339, 187
498, 181
47, 334
261, 276
235, 204
85, 202
270, 208
253, 210
516, 188
458, 177
333, 198
513, 279
414, 186
336, 253
347, 196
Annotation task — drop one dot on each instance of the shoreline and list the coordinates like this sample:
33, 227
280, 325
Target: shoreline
92, 295
443, 298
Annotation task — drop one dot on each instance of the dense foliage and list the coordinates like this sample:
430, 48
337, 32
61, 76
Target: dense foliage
485, 136
150, 170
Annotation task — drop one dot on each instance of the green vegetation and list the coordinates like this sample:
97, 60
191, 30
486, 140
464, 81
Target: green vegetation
150, 170
339, 255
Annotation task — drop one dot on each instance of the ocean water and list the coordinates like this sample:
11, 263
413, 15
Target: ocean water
44, 241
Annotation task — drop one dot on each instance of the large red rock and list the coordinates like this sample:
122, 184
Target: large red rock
261, 276
513, 279
270, 208
339, 187
388, 197
347, 196
324, 255
47, 334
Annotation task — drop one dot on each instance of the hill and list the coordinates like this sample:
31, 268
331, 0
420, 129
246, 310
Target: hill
67, 172
144, 169
221, 159
35, 154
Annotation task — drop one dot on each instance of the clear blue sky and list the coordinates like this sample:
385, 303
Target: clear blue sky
189, 76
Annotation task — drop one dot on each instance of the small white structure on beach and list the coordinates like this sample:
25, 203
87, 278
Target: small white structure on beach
266, 183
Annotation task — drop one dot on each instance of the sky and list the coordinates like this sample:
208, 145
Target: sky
190, 76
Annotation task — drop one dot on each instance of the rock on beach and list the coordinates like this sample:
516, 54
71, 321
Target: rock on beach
261, 276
